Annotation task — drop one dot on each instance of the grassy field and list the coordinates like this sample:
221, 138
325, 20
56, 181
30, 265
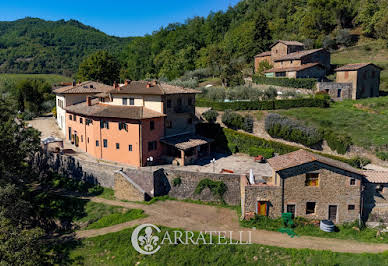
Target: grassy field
366, 121
368, 51
116, 249
97, 215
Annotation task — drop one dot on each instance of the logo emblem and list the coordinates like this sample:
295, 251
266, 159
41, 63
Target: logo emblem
145, 242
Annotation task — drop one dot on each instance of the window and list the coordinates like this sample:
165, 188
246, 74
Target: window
353, 182
312, 180
151, 145
339, 93
88, 121
291, 209
280, 74
105, 143
70, 117
81, 121
152, 125
88, 140
189, 121
82, 138
75, 118
122, 126
104, 124
97, 143
117, 146
125, 101
190, 101
130, 147
131, 101
351, 207
310, 207
168, 124
70, 133
292, 61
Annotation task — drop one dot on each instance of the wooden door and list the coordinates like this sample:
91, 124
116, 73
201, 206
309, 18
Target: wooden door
333, 213
262, 208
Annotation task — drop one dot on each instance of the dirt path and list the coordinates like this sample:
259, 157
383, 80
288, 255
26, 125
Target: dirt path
198, 217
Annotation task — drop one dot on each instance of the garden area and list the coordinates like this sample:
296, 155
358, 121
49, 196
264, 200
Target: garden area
364, 121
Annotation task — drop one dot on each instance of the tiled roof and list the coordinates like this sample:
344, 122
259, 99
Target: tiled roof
298, 55
294, 68
377, 177
184, 142
266, 53
295, 43
300, 157
350, 67
84, 87
140, 87
98, 109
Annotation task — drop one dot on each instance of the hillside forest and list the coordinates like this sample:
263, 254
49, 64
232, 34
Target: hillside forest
224, 41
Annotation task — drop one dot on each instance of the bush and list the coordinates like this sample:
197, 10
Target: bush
190, 83
343, 37
176, 181
279, 126
200, 73
263, 105
210, 116
338, 142
248, 124
359, 162
306, 83
265, 152
236, 121
270, 94
218, 188
54, 111
382, 155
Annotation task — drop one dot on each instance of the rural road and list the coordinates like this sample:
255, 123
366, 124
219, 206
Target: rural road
196, 217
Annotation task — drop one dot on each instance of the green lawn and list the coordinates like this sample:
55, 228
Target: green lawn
107, 193
366, 124
303, 227
116, 249
372, 51
98, 215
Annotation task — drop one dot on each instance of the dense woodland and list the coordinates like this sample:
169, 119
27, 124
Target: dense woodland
223, 41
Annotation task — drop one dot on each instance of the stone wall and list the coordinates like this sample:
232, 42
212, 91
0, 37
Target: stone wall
375, 202
332, 89
334, 189
189, 182
126, 189
68, 166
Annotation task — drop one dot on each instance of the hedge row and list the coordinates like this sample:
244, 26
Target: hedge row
263, 105
306, 83
233, 141
283, 127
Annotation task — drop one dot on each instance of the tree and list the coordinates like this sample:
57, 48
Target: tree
100, 66
31, 93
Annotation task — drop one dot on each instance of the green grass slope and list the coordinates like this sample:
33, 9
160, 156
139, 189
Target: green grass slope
371, 51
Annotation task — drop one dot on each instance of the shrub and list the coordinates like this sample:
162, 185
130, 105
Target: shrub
279, 126
216, 94
270, 94
338, 142
199, 73
263, 105
232, 120
210, 116
359, 162
218, 188
190, 83
307, 83
382, 155
176, 181
344, 37
54, 111
265, 152
248, 124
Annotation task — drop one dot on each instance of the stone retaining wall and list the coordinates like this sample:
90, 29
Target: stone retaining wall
332, 89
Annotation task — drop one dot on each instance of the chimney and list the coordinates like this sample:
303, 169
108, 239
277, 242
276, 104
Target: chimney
148, 84
88, 100
127, 82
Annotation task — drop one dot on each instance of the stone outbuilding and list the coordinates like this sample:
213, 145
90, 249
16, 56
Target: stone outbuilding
307, 185
364, 77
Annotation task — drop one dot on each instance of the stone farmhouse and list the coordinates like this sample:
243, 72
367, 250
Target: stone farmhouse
315, 187
289, 59
134, 122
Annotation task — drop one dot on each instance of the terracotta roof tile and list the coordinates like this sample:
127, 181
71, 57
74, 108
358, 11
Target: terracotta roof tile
140, 87
300, 157
354, 66
266, 53
294, 43
98, 109
298, 55
377, 177
84, 87
295, 68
